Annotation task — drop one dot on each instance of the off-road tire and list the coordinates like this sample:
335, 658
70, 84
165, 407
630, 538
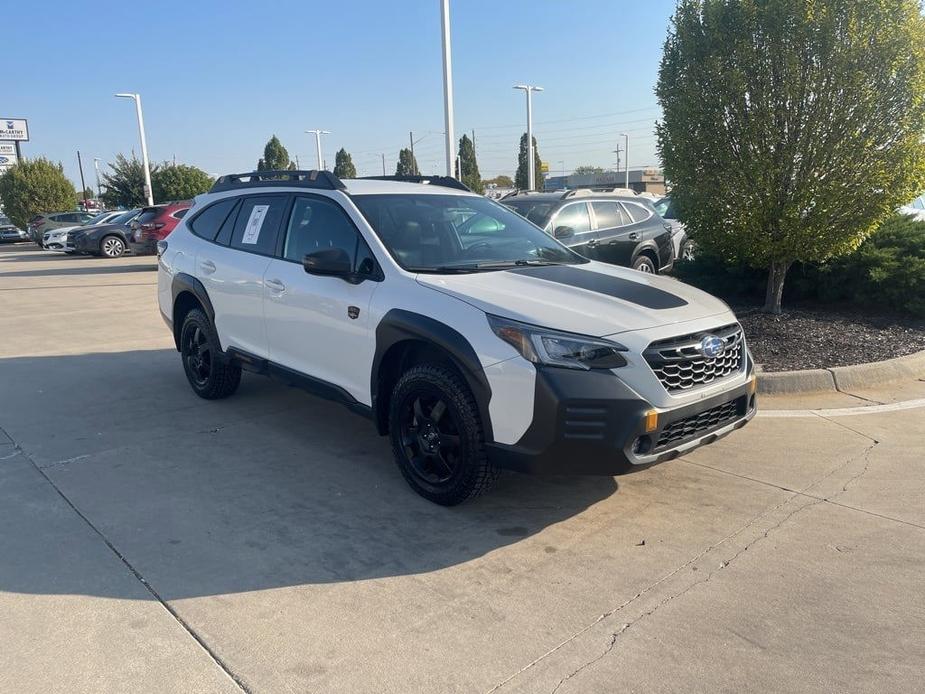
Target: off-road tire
219, 378
473, 473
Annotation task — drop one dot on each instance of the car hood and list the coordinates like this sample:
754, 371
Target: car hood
58, 231
591, 299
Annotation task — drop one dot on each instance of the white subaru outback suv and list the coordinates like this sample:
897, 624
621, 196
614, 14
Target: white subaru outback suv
472, 338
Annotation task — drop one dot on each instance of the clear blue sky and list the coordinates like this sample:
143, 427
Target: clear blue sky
219, 78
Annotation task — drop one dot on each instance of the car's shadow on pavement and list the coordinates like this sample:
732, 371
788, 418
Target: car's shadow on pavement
269, 488
89, 269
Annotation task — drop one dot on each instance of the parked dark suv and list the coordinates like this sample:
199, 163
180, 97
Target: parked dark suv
619, 229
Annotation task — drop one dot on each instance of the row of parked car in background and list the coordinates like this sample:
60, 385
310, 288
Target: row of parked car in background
108, 234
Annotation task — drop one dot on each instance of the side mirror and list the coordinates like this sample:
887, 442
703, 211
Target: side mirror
563, 232
329, 262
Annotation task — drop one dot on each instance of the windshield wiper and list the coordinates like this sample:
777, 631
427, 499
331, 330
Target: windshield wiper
519, 263
446, 269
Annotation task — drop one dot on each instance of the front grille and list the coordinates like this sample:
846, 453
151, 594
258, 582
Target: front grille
679, 365
697, 425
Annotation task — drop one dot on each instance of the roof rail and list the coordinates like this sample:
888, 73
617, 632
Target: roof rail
289, 178
444, 181
577, 193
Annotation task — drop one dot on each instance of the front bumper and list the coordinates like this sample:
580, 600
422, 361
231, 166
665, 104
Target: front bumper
591, 423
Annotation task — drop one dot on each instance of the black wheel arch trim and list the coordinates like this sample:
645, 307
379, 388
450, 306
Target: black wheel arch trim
399, 325
181, 283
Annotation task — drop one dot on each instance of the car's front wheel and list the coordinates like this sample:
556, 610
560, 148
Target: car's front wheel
112, 247
437, 436
208, 372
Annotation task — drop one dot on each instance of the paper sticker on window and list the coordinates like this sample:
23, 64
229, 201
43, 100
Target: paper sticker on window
254, 224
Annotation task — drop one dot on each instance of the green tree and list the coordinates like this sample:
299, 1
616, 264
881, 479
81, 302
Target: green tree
521, 178
470, 168
343, 164
34, 186
275, 157
586, 169
179, 182
407, 164
791, 128
125, 185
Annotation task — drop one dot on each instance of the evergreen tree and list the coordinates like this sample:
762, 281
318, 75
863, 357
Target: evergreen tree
521, 178
343, 164
470, 169
407, 164
275, 156
125, 185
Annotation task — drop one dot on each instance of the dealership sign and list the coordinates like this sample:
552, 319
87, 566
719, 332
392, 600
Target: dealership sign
7, 148
7, 161
14, 129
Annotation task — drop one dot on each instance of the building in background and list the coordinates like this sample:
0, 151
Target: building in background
641, 181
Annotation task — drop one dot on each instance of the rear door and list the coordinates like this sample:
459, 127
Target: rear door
232, 270
575, 217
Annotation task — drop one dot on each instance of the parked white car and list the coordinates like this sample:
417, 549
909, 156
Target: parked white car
472, 350
916, 208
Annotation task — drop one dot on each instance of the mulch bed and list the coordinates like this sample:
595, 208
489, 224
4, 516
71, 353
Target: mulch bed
817, 337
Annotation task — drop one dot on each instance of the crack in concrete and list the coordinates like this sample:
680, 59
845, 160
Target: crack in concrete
793, 494
213, 656
673, 596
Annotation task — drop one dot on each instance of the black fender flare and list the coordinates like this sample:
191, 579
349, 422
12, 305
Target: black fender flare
647, 246
399, 325
183, 282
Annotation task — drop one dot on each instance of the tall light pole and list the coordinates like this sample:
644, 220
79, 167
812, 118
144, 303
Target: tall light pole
528, 90
448, 88
626, 158
96, 165
144, 144
318, 134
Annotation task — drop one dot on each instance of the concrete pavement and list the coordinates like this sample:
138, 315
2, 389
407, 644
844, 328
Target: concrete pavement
153, 541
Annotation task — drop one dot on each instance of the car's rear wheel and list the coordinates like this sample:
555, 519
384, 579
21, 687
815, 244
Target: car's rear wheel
644, 264
437, 436
112, 247
208, 372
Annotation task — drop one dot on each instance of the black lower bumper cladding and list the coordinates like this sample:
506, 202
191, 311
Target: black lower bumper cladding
591, 423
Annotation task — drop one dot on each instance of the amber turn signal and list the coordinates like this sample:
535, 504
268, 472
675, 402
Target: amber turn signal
651, 421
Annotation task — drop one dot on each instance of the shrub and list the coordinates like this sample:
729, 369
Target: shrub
887, 271
34, 186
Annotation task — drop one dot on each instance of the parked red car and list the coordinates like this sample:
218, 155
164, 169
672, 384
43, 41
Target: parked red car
154, 224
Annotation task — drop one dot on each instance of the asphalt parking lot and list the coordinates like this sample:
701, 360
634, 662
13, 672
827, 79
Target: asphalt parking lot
155, 542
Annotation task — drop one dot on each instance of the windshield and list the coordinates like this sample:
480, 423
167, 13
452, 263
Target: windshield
124, 218
458, 233
537, 211
99, 218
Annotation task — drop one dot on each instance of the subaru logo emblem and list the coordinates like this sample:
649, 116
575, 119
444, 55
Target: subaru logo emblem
712, 346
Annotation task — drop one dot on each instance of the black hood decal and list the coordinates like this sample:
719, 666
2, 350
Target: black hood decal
617, 287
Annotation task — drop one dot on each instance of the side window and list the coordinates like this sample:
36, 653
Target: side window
318, 224
207, 223
180, 214
608, 215
257, 226
636, 212
575, 216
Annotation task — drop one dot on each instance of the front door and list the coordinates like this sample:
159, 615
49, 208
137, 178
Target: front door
319, 326
575, 217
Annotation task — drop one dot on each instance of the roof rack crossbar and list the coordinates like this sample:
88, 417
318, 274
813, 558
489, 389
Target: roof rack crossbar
290, 178
444, 181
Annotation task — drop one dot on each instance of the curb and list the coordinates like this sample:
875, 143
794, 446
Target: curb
842, 377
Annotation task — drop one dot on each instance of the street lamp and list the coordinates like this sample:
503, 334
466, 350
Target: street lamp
626, 158
96, 165
144, 144
318, 134
528, 90
447, 87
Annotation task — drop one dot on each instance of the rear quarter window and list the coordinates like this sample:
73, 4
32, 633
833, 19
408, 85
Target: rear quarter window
207, 223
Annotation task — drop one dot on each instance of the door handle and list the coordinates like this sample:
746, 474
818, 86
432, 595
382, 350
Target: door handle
207, 266
592, 243
275, 285
633, 236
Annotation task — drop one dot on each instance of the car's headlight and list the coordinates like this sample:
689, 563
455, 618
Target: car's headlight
543, 346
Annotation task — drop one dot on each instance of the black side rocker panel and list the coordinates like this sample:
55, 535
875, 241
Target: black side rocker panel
399, 325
